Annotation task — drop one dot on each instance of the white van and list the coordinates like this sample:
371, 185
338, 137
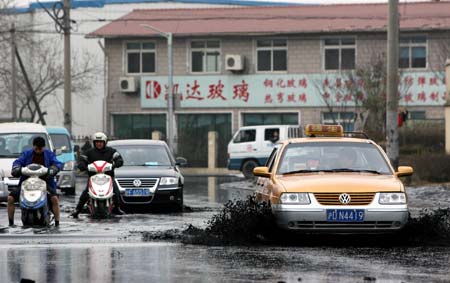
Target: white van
252, 145
14, 139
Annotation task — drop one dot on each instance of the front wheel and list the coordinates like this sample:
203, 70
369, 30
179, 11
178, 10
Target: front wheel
247, 168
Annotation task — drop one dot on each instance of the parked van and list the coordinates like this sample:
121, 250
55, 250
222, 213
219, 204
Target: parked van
252, 145
64, 148
14, 139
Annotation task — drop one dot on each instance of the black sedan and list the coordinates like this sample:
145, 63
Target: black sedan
150, 176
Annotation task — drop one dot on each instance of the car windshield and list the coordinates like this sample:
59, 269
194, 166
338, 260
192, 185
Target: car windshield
13, 144
59, 141
332, 157
148, 155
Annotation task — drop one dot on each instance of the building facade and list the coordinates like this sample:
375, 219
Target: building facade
271, 65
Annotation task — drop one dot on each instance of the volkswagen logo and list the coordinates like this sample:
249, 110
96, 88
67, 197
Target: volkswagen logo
137, 183
344, 198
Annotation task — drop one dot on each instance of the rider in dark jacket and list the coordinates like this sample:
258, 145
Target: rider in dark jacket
38, 155
99, 152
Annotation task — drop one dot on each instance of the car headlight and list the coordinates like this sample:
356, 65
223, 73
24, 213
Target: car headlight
392, 198
295, 198
168, 181
100, 180
69, 165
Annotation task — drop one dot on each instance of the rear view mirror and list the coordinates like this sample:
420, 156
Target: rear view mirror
404, 171
58, 151
180, 161
261, 172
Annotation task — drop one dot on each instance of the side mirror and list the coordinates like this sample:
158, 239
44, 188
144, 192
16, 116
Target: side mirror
404, 171
261, 172
180, 161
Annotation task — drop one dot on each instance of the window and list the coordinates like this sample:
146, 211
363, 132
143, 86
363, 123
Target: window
245, 136
417, 115
252, 119
138, 126
413, 52
205, 56
339, 53
271, 55
140, 57
272, 134
59, 141
270, 161
345, 119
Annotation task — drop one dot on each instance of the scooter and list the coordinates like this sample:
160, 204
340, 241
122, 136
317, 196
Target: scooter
100, 202
33, 197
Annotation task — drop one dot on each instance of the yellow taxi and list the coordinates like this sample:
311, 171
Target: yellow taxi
330, 182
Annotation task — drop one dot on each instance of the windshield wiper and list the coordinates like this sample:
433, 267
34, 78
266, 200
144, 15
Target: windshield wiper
306, 171
355, 170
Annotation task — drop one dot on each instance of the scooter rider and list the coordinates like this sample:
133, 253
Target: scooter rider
99, 152
38, 155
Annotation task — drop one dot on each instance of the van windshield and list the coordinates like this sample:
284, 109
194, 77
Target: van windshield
13, 144
61, 141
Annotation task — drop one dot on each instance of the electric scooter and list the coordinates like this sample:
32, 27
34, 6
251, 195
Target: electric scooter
100, 202
33, 197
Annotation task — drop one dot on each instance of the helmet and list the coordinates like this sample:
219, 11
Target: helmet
99, 136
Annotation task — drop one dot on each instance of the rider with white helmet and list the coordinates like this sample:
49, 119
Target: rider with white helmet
99, 152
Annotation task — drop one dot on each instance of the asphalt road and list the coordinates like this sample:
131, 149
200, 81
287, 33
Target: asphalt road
87, 250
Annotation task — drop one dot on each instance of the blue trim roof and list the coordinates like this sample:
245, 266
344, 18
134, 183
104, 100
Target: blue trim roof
101, 3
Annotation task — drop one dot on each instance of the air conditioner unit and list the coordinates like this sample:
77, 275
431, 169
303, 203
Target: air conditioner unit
234, 62
128, 84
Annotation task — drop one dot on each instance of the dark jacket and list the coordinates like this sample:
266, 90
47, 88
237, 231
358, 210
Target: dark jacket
26, 158
105, 154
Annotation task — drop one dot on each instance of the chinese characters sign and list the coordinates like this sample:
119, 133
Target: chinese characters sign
268, 90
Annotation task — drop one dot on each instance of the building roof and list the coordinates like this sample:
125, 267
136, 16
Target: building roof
277, 20
76, 4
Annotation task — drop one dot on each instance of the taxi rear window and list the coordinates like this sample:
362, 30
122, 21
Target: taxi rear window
332, 156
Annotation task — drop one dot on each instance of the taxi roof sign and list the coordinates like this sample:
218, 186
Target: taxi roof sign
318, 130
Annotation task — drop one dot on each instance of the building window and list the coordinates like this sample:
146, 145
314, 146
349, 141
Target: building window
253, 119
140, 57
339, 53
205, 56
345, 119
413, 52
138, 126
417, 115
271, 55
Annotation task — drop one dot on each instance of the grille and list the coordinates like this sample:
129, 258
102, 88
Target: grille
145, 182
333, 198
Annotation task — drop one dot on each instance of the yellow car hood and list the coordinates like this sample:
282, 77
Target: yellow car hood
340, 182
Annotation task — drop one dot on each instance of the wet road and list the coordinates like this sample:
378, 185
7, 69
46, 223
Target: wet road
88, 250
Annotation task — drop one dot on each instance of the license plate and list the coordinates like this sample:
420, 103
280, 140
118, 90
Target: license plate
345, 215
137, 192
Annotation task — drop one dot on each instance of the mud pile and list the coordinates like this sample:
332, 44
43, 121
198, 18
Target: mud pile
247, 222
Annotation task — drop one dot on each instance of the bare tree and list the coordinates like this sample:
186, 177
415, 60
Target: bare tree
440, 54
363, 92
44, 66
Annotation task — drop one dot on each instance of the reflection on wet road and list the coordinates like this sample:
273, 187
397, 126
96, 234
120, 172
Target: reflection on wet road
88, 250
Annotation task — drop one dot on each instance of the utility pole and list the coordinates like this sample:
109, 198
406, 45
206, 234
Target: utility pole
13, 74
392, 85
170, 118
67, 75
447, 106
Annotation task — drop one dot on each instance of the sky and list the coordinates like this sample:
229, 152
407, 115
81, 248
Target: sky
25, 3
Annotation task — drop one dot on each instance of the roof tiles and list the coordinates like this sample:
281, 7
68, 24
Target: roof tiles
277, 20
